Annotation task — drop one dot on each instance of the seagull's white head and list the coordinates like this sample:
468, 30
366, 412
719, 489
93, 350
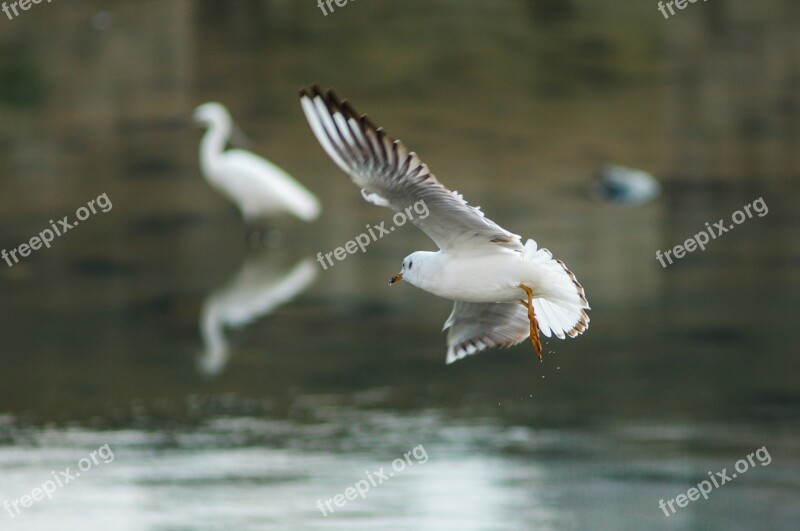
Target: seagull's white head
416, 268
212, 113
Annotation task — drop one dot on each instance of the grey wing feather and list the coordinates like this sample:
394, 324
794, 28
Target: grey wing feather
391, 175
474, 327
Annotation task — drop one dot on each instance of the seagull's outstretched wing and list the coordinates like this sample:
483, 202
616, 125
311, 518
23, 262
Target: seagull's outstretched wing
474, 327
391, 175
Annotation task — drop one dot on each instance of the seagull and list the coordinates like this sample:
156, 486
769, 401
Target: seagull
504, 291
258, 187
627, 186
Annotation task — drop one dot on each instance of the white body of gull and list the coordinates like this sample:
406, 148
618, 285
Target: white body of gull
504, 291
259, 188
258, 289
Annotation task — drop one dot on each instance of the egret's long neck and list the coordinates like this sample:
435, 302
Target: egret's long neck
213, 144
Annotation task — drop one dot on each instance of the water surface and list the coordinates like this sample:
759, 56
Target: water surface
684, 370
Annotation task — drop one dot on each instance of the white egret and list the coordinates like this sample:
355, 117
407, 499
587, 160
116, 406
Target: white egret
259, 188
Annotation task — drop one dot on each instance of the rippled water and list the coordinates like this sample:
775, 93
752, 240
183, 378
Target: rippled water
119, 334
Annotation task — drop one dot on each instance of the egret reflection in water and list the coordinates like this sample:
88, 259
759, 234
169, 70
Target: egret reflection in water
261, 285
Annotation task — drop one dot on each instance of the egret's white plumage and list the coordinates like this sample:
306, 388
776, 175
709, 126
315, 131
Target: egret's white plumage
258, 288
258, 187
484, 268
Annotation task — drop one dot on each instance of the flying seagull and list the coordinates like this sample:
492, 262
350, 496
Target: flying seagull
259, 188
504, 291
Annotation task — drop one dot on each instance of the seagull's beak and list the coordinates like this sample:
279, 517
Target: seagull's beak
398, 277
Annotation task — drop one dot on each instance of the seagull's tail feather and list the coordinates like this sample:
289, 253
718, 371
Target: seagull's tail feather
561, 303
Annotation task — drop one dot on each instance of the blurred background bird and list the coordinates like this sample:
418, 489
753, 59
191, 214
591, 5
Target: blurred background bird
262, 284
259, 188
625, 186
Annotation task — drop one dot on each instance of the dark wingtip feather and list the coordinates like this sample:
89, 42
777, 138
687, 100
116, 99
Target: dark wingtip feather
311, 91
338, 105
332, 99
365, 121
348, 110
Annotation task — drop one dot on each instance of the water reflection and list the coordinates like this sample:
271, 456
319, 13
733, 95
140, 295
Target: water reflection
261, 285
